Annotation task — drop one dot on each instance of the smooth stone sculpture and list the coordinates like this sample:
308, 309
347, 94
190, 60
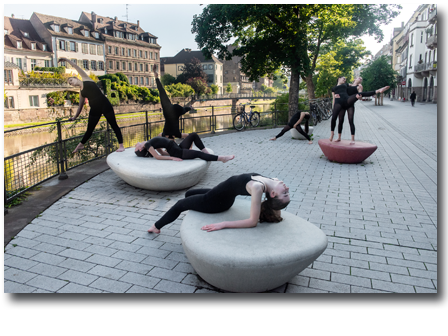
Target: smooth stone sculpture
344, 152
253, 259
296, 135
158, 175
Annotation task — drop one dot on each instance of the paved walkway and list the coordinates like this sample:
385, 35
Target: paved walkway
380, 216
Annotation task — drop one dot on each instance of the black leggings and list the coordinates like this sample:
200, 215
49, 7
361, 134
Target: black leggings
202, 200
298, 128
349, 106
94, 118
171, 115
188, 154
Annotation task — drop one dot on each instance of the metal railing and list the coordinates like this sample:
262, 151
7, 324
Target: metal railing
27, 169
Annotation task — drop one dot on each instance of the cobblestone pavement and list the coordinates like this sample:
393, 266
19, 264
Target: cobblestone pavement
380, 216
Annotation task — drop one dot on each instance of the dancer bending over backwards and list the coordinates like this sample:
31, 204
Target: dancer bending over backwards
171, 113
342, 102
222, 197
99, 105
294, 122
156, 148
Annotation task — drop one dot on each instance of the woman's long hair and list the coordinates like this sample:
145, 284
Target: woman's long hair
268, 207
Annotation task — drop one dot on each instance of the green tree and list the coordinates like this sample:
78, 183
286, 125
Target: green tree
214, 88
273, 36
199, 85
229, 88
179, 90
167, 79
280, 79
192, 69
378, 74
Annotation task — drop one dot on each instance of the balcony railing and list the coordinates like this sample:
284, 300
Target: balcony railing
432, 42
433, 16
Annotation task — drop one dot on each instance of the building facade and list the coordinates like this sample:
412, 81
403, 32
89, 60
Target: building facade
232, 75
23, 46
128, 48
212, 67
74, 40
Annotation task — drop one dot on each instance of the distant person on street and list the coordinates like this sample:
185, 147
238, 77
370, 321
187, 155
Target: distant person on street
412, 98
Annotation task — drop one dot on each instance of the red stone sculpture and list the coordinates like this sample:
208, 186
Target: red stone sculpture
344, 152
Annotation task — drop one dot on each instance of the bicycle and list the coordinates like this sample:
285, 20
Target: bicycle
242, 119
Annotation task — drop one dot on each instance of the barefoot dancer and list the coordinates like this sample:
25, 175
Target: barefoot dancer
156, 148
294, 122
342, 102
99, 105
171, 113
221, 198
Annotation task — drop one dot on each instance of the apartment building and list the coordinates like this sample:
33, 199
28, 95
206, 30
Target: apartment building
23, 46
212, 67
74, 40
128, 48
232, 75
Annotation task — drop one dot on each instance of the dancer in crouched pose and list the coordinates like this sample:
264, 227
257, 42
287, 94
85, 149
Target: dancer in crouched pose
171, 113
344, 99
222, 197
294, 122
164, 149
99, 105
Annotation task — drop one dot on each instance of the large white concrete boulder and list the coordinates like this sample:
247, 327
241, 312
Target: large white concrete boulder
296, 135
254, 259
159, 175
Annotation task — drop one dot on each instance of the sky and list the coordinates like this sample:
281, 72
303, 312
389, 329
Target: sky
171, 23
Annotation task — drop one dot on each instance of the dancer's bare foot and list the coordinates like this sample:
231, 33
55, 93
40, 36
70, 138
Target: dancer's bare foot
310, 142
79, 147
153, 229
120, 149
382, 89
331, 137
352, 142
205, 151
226, 158
337, 140
275, 138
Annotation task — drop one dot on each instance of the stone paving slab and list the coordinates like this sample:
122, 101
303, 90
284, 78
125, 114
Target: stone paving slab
380, 216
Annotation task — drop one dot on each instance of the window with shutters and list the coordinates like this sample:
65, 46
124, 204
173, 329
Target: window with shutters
100, 65
72, 46
33, 64
85, 64
92, 49
85, 49
100, 49
47, 64
93, 65
62, 44
8, 76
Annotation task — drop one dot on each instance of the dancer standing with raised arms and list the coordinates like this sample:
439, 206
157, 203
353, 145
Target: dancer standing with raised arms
222, 197
342, 102
99, 105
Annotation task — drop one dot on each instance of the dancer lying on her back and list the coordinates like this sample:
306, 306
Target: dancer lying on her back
294, 122
222, 197
165, 149
342, 102
171, 113
99, 105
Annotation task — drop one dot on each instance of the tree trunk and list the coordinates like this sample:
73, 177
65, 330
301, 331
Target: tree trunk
293, 103
310, 86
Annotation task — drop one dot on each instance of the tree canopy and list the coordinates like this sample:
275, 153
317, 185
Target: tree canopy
191, 69
378, 74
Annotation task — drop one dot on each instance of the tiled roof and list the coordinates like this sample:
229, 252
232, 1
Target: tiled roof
184, 56
17, 28
10, 65
77, 26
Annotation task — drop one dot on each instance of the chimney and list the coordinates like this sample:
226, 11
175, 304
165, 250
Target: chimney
12, 15
94, 20
138, 24
402, 24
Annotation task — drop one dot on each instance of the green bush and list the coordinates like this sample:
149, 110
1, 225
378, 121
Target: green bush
214, 88
281, 104
179, 90
113, 96
60, 69
56, 98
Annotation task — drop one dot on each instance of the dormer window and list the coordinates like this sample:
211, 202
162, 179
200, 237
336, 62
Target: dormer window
100, 20
33, 46
105, 30
124, 25
55, 28
19, 44
70, 30
44, 47
86, 33
26, 34
6, 31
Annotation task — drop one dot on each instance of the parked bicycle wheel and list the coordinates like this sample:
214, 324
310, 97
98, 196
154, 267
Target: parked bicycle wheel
255, 120
239, 122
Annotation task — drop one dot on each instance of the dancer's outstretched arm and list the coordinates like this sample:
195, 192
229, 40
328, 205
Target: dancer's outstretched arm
158, 156
252, 221
302, 115
84, 75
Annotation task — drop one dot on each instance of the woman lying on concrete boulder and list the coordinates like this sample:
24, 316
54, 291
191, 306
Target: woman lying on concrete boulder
222, 197
162, 148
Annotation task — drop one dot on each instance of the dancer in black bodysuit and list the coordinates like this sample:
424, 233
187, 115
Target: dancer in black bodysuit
222, 197
294, 122
344, 98
171, 113
155, 148
99, 105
